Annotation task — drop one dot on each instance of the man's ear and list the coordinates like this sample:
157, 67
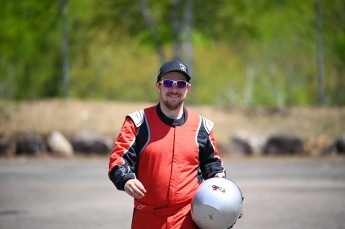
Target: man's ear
158, 86
189, 86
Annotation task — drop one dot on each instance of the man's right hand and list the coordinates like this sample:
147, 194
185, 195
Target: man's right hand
135, 188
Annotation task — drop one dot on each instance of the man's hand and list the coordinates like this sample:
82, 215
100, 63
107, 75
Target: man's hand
135, 188
220, 175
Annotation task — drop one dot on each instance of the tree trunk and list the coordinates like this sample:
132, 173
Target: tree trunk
152, 26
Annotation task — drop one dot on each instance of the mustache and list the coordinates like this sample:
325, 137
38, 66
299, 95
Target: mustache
173, 93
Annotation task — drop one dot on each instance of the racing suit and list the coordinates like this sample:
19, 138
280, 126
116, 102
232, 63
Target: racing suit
170, 157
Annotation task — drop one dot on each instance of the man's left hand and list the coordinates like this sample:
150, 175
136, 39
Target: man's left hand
220, 175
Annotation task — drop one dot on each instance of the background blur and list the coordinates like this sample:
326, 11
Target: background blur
269, 73
241, 53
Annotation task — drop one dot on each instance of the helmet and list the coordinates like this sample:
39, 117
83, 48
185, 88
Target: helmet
217, 204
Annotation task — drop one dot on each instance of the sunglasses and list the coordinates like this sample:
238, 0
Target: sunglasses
179, 83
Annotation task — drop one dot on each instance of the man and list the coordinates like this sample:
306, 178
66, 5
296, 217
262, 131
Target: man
163, 152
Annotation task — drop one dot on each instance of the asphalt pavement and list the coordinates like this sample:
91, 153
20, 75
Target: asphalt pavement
76, 193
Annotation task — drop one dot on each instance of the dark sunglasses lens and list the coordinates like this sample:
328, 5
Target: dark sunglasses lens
181, 84
168, 83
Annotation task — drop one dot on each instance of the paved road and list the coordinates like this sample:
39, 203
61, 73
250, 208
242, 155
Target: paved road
73, 194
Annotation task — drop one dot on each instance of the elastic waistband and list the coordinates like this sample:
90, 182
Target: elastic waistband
164, 211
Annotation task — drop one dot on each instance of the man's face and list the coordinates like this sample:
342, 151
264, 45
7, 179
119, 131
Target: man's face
173, 97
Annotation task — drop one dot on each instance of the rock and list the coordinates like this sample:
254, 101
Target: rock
7, 147
241, 146
59, 145
245, 143
31, 144
340, 144
90, 142
283, 144
223, 149
326, 151
320, 146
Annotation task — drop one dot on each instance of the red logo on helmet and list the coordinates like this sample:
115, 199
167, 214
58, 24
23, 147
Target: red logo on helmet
215, 187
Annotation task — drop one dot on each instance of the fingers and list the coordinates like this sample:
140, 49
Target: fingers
220, 175
135, 188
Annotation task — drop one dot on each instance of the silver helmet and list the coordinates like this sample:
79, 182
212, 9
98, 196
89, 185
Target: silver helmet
217, 204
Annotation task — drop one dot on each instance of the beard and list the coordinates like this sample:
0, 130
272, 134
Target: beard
173, 103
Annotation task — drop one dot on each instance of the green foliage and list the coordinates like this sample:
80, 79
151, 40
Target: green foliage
246, 53
28, 44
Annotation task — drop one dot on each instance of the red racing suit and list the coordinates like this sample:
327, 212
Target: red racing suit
170, 157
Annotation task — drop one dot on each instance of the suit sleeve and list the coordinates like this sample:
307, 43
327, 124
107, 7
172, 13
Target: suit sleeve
123, 157
210, 161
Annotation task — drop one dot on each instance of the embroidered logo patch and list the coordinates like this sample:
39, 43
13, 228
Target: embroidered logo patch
140, 207
183, 68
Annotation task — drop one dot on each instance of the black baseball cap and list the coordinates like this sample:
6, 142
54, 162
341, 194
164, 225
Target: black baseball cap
173, 66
